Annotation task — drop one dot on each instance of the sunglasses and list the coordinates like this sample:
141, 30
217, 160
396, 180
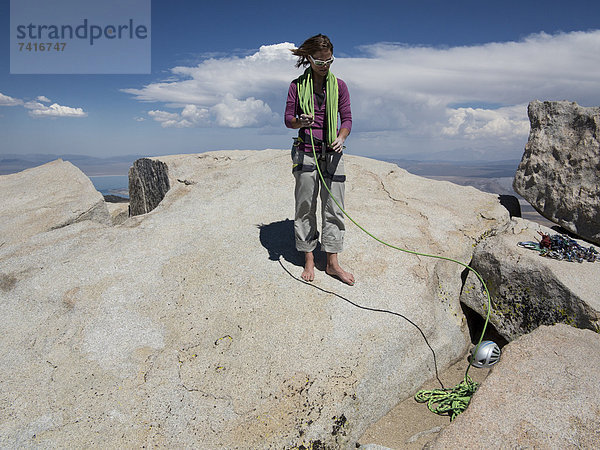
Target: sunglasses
319, 63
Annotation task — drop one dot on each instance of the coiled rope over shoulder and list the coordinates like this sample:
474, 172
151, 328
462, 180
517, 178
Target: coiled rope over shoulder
449, 401
305, 85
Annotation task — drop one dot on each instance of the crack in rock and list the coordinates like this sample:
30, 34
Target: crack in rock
386, 190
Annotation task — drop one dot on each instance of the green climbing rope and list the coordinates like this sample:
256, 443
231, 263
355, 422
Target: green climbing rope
305, 84
449, 402
445, 401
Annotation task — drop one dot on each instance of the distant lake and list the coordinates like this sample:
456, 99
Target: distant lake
112, 184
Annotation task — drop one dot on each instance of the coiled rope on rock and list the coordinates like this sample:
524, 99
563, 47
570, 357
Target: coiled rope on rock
444, 401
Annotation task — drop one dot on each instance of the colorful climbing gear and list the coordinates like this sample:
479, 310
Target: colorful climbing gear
562, 248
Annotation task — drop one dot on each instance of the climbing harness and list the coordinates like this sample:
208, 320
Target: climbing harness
301, 167
449, 401
562, 248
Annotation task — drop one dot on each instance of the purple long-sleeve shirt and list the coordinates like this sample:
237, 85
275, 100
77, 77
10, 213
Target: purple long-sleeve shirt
292, 109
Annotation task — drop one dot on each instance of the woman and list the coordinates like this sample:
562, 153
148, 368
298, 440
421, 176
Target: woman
315, 99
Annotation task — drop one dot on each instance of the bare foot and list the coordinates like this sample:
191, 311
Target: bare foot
334, 269
309, 267
338, 272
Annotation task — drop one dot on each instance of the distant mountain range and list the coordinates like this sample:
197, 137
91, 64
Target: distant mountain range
119, 165
469, 169
90, 165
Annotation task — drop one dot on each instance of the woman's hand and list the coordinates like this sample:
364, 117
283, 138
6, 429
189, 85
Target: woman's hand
338, 144
305, 120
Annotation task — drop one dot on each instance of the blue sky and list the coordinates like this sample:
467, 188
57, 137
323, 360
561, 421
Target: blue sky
429, 79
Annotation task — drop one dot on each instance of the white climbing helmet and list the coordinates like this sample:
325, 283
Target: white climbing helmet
488, 354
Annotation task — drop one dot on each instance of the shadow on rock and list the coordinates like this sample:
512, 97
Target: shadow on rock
511, 203
278, 239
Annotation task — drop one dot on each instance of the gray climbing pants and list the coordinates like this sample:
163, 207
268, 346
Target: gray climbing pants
308, 184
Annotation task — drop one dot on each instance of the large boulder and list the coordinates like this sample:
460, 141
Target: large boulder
544, 393
148, 185
45, 198
528, 290
189, 326
559, 173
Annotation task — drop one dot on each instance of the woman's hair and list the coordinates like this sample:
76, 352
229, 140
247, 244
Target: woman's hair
311, 46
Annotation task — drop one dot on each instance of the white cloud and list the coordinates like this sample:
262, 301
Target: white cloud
54, 110
495, 72
5, 100
479, 123
235, 113
193, 114
432, 98
207, 83
229, 113
165, 118
190, 116
37, 109
218, 92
